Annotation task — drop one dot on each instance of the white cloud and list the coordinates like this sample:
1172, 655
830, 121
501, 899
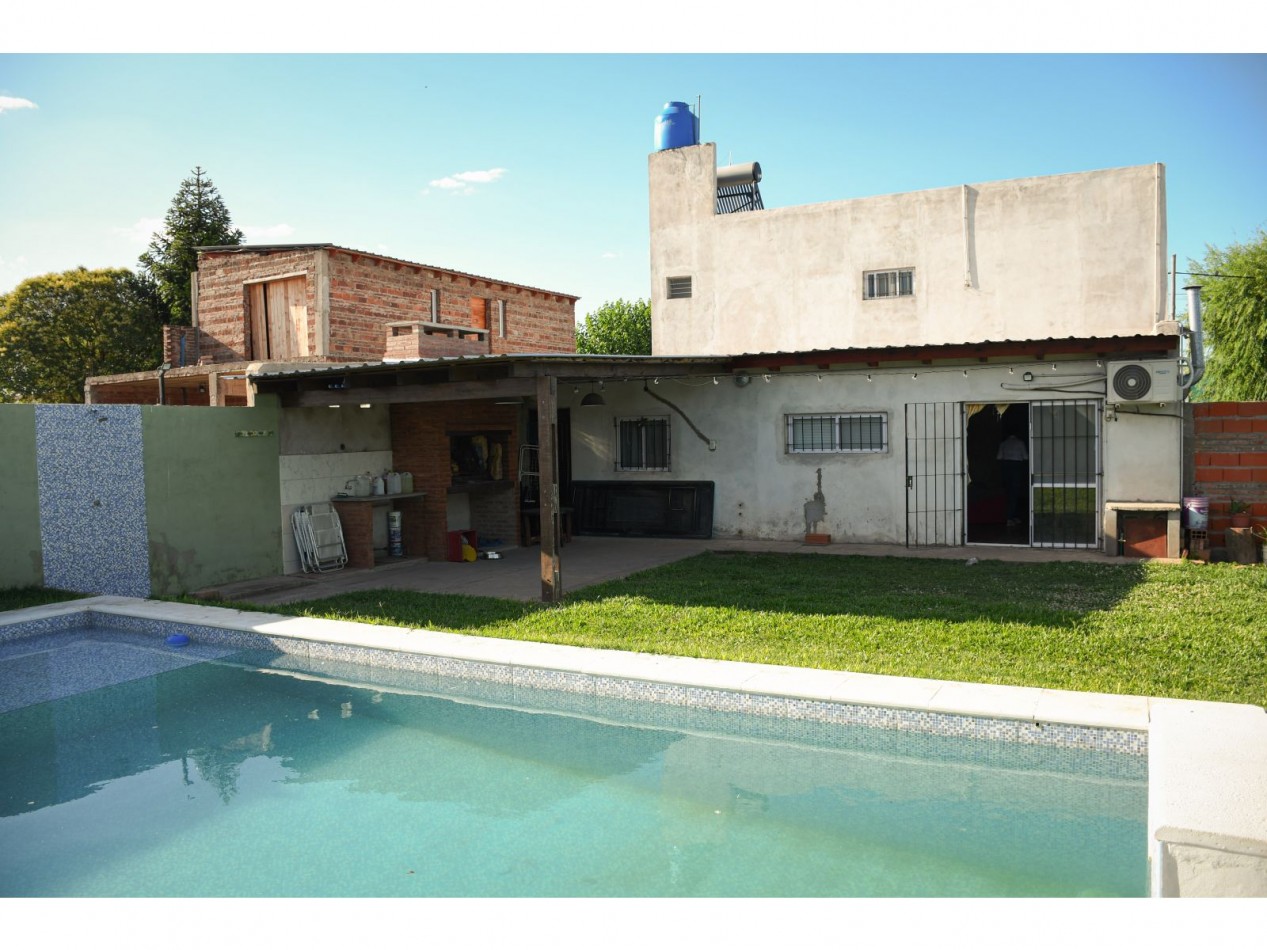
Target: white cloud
13, 270
9, 102
461, 182
610, 255
266, 234
141, 231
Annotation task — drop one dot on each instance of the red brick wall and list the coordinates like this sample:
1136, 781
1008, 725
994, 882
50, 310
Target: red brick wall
420, 446
144, 394
536, 322
172, 339
1230, 459
222, 297
366, 294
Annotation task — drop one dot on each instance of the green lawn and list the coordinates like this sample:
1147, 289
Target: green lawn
1181, 630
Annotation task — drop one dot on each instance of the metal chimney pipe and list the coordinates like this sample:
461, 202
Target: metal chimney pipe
1196, 339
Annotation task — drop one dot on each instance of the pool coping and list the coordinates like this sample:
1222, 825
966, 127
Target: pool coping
1207, 762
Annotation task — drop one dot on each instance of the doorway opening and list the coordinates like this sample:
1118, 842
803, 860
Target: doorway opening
998, 473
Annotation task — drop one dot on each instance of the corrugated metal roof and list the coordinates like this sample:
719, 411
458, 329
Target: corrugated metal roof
238, 248
854, 354
335, 369
1164, 339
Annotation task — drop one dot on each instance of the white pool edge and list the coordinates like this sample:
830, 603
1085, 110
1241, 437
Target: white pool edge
1207, 762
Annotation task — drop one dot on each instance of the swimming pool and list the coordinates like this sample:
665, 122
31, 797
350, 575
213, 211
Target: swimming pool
218, 770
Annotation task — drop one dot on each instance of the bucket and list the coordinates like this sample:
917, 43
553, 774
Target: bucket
1196, 513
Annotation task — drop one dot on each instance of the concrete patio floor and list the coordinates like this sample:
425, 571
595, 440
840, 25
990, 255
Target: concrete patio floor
516, 575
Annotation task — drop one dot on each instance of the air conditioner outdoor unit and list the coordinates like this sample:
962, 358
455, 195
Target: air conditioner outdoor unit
1145, 381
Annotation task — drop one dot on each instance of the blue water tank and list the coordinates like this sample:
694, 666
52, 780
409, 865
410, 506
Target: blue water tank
676, 127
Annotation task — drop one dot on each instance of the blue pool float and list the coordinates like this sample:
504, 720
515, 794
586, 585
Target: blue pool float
177, 640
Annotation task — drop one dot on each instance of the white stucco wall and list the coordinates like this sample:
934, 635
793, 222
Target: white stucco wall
1059, 256
761, 489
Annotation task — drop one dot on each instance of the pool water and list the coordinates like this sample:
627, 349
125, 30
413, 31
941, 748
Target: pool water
260, 775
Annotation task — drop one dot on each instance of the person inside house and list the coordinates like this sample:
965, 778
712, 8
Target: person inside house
1014, 463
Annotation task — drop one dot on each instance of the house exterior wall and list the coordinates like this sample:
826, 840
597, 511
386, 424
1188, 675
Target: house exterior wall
1060, 256
222, 298
352, 297
762, 490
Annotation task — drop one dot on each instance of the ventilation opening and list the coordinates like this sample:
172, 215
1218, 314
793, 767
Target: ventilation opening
679, 287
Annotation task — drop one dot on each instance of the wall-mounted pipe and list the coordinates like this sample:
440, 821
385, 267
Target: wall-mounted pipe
1196, 338
712, 445
162, 387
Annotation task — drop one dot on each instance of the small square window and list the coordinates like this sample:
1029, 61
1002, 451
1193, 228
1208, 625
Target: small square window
839, 432
888, 283
642, 445
679, 288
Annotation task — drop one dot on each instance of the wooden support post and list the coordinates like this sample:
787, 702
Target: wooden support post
547, 464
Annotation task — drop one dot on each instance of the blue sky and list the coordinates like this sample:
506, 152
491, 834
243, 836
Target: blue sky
532, 167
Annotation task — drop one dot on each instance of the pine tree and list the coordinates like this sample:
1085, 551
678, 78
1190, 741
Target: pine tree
196, 218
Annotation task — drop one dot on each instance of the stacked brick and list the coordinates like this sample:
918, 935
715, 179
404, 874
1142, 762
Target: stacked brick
412, 341
1230, 460
181, 346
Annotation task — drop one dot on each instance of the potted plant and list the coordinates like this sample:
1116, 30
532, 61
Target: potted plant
1239, 510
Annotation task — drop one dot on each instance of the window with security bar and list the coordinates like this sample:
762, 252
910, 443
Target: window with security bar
840, 432
642, 444
888, 283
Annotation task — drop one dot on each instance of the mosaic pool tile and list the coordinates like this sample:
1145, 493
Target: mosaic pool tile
78, 667
664, 705
30, 628
91, 476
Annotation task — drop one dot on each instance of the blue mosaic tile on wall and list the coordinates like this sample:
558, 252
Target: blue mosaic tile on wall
91, 475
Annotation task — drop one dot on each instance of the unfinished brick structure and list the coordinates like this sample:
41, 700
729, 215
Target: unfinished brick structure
319, 303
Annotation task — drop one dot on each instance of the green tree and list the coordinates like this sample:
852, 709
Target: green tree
197, 218
58, 329
618, 328
1234, 312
